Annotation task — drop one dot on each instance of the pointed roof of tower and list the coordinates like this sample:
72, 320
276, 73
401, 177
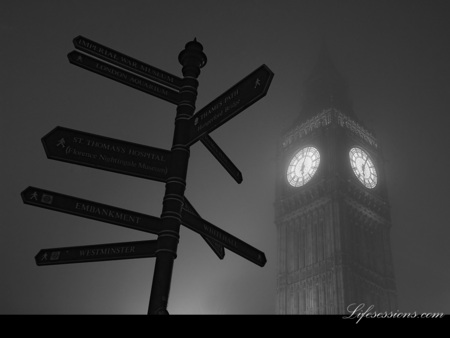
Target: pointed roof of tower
325, 88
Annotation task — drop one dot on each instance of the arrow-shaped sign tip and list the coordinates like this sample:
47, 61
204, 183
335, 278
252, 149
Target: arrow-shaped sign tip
45, 138
75, 40
239, 178
75, 57
268, 69
70, 55
262, 259
38, 257
27, 194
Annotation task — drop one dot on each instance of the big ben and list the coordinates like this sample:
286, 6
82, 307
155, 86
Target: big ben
331, 206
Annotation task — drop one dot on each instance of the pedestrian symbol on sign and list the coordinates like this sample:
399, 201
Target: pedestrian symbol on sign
61, 143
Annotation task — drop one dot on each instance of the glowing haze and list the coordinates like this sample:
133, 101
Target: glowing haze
394, 55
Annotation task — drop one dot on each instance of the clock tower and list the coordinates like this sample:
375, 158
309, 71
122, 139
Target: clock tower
331, 209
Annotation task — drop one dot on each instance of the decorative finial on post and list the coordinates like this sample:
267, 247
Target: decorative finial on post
193, 51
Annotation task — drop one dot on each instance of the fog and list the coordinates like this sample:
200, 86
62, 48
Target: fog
394, 55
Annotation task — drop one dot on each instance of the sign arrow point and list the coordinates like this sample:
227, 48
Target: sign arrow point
77, 147
91, 210
235, 100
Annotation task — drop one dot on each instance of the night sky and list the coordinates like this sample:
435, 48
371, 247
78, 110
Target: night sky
394, 54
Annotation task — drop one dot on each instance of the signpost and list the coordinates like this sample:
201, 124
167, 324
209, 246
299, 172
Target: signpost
96, 253
170, 167
110, 55
214, 245
123, 76
92, 210
127, 62
222, 158
77, 147
229, 104
105, 213
230, 242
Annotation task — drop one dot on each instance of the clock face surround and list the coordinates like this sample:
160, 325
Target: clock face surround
363, 167
303, 166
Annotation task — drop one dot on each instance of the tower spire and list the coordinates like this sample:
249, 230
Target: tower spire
325, 88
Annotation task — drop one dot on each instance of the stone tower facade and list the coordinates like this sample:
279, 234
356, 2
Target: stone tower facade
331, 208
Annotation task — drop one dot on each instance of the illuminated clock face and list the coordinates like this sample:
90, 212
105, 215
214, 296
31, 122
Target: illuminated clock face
303, 166
363, 167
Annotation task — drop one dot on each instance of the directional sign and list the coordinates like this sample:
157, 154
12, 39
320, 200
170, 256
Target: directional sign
229, 104
222, 158
96, 253
105, 153
214, 245
92, 210
123, 76
230, 242
127, 62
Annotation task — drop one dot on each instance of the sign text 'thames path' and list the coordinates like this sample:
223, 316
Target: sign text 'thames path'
77, 147
229, 104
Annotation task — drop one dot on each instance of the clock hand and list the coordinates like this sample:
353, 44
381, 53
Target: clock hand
303, 166
364, 166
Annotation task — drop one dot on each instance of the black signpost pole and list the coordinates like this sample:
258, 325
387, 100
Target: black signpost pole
128, 158
192, 59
